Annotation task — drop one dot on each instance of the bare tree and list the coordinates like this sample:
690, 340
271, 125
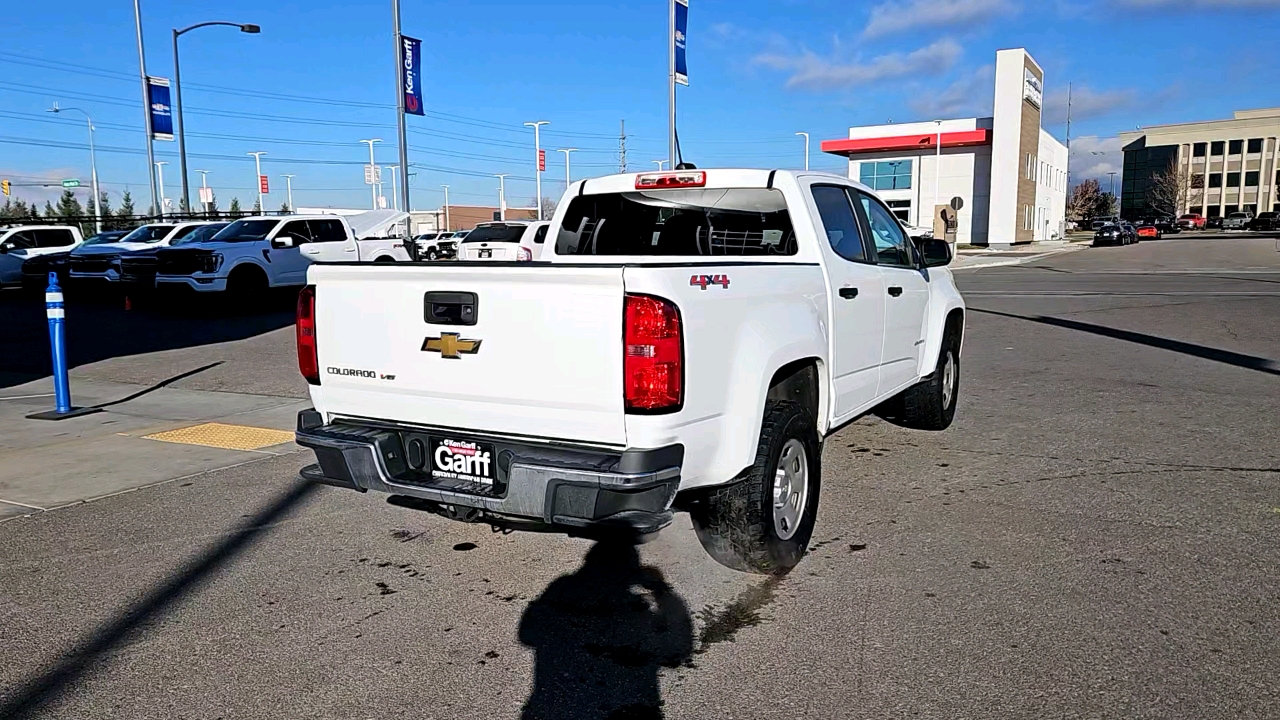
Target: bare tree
548, 207
1085, 201
1167, 193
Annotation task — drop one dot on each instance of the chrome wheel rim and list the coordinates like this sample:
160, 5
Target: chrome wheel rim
790, 489
948, 379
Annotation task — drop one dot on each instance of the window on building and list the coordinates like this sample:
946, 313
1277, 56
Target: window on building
1233, 180
1200, 149
1215, 180
1231, 209
1252, 209
1237, 146
1214, 211
886, 174
1218, 147
1255, 145
901, 209
1196, 210
1251, 178
1197, 181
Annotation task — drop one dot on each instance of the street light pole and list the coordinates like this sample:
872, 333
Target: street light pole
373, 171
257, 163
659, 163
1113, 183
537, 157
93, 167
177, 96
160, 174
288, 182
502, 196
567, 177
204, 183
447, 226
146, 102
805, 135
400, 119
395, 187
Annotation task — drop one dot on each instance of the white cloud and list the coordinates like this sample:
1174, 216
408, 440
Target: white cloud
1200, 4
810, 72
967, 96
1093, 157
1086, 103
895, 17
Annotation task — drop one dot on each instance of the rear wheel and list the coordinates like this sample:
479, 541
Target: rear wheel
763, 520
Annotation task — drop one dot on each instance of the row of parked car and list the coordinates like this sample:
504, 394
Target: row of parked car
512, 240
1233, 221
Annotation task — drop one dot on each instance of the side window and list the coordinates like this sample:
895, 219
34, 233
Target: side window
54, 238
541, 236
296, 230
892, 245
327, 231
183, 232
839, 222
21, 240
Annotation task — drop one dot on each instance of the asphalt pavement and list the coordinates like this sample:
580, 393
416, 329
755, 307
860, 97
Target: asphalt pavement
1094, 537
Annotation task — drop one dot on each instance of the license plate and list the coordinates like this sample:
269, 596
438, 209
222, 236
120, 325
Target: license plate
486, 253
454, 461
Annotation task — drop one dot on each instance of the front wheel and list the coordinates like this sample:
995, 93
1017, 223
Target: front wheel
763, 520
433, 255
931, 405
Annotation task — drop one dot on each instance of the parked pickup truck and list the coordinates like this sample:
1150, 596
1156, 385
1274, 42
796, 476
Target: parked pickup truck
100, 262
253, 254
685, 342
19, 243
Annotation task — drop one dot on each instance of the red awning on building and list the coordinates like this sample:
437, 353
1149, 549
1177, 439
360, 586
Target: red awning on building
963, 138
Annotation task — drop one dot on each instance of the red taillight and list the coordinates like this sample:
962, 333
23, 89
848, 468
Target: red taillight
524, 254
308, 358
663, 181
653, 371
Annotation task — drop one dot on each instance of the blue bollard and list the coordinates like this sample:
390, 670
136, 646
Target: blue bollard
56, 310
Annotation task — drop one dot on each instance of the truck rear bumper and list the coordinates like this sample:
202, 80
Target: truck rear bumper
565, 487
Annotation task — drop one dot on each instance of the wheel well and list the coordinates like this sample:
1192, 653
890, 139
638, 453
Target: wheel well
247, 270
385, 259
798, 382
955, 322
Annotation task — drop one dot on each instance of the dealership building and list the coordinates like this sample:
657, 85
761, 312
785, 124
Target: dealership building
1222, 166
1006, 173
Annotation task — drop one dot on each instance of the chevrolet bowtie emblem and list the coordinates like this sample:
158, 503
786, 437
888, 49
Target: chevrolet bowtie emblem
449, 345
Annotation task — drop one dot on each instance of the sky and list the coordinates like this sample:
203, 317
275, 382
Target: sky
320, 78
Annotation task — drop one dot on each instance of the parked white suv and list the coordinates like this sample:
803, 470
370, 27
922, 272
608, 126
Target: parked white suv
20, 242
511, 241
686, 343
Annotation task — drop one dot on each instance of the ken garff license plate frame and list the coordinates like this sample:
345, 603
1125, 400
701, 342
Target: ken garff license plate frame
486, 253
453, 460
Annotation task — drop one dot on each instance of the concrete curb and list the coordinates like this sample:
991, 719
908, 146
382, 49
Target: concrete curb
996, 262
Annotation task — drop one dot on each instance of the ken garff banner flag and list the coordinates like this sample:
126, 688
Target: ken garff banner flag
161, 110
682, 25
411, 70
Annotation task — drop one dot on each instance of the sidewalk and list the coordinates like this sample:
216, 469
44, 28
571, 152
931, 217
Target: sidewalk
143, 436
972, 259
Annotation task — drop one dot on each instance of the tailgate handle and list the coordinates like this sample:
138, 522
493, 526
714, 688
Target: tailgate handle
451, 308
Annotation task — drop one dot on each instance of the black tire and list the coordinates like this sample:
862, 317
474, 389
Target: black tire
735, 522
928, 405
247, 286
432, 255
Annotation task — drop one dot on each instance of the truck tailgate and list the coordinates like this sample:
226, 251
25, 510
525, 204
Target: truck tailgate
546, 360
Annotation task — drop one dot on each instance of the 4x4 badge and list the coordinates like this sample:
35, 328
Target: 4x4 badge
449, 345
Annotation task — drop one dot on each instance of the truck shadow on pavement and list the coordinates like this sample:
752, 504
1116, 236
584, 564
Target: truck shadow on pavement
31, 697
99, 331
600, 637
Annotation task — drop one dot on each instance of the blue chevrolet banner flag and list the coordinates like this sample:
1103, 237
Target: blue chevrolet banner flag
682, 25
161, 110
411, 70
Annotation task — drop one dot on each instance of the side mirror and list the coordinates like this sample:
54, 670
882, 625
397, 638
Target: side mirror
5, 248
282, 241
934, 252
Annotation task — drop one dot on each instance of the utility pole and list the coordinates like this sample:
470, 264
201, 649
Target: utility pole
622, 147
288, 182
502, 196
160, 173
373, 171
937, 171
567, 176
204, 183
404, 143
93, 166
1113, 183
395, 192
537, 146
447, 226
146, 102
1068, 136
805, 135
257, 163
671, 83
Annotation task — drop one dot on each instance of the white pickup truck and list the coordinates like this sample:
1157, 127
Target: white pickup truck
255, 253
19, 243
685, 342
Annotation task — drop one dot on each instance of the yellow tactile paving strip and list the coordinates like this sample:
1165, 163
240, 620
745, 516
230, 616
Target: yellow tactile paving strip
226, 437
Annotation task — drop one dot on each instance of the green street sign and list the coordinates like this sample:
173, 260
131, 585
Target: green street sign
70, 183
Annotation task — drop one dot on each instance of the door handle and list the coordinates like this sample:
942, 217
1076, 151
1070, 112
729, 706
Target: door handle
895, 291
848, 293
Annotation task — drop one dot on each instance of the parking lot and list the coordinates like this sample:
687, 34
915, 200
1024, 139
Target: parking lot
1093, 537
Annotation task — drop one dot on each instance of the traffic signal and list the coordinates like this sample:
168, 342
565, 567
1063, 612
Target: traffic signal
4, 185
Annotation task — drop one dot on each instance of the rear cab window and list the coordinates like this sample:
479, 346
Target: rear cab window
685, 222
496, 233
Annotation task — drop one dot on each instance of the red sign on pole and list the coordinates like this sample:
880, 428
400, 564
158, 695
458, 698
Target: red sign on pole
262, 184
542, 161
